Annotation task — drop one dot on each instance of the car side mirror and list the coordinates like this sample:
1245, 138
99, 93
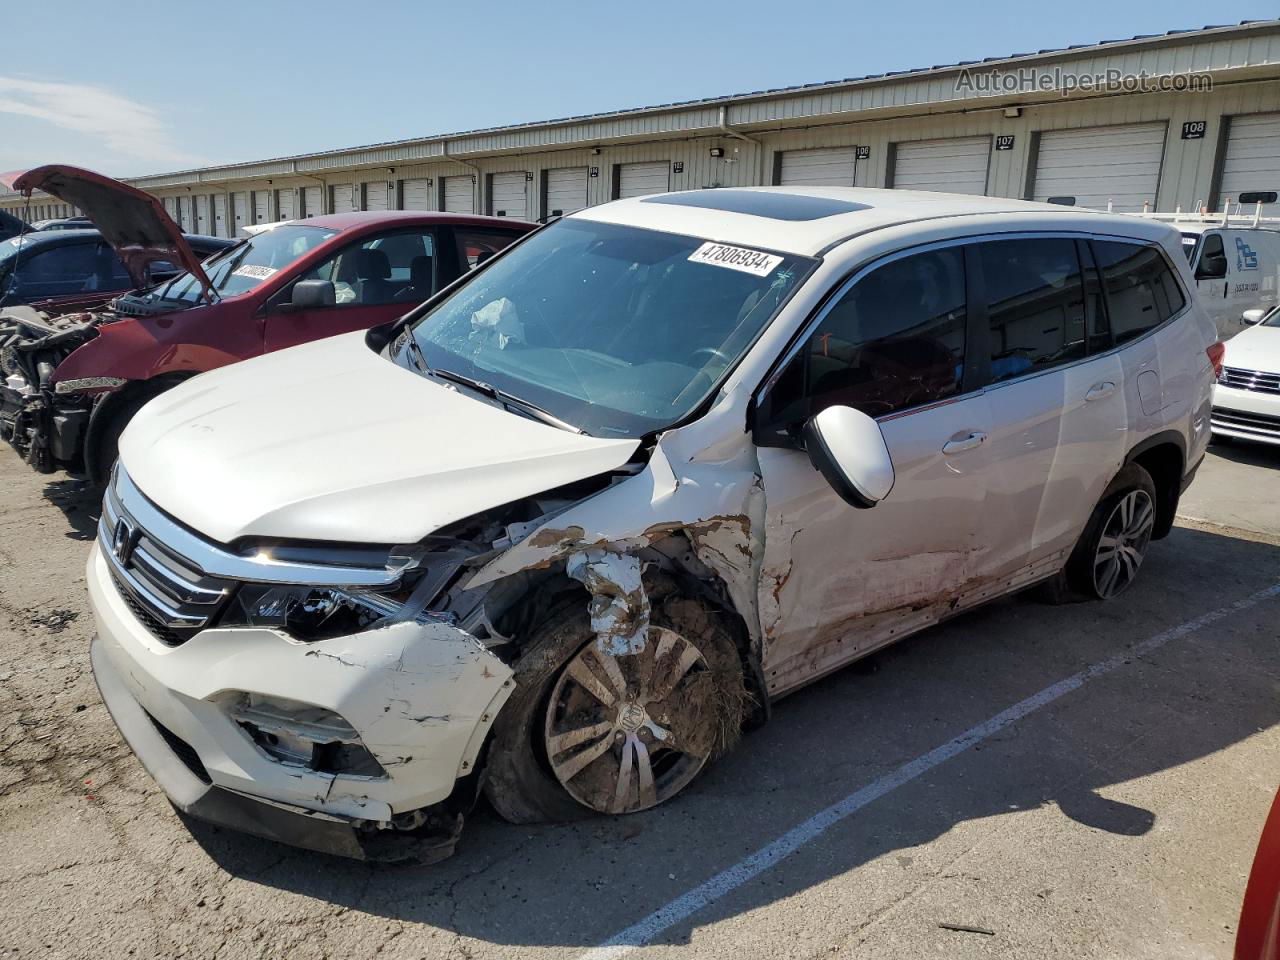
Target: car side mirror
848, 449
1251, 317
309, 294
1212, 267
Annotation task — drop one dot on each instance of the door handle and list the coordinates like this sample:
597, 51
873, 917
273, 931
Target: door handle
1100, 390
961, 444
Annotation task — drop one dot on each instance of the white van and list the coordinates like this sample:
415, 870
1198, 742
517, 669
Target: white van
1237, 268
559, 532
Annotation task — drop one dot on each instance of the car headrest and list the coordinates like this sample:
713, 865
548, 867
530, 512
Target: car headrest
420, 271
372, 265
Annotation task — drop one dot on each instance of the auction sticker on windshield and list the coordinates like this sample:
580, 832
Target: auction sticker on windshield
253, 272
736, 258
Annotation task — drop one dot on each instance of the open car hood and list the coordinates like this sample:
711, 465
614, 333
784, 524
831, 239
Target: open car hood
133, 222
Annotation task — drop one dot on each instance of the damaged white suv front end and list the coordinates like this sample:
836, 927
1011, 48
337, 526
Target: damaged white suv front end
308, 631
265, 678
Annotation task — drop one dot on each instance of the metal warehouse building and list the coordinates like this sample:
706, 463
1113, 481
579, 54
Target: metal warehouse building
1149, 134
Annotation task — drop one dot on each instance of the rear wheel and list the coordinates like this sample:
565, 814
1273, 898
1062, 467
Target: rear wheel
1109, 554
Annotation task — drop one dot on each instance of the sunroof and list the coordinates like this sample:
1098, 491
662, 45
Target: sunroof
759, 203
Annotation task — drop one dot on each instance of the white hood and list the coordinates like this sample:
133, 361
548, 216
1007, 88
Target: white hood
330, 441
1257, 348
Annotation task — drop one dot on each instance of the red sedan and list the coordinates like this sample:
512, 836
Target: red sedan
69, 382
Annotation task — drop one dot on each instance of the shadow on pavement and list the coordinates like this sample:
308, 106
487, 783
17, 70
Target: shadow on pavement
80, 501
1247, 452
578, 885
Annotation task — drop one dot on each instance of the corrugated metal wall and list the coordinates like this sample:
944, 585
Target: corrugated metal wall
1186, 177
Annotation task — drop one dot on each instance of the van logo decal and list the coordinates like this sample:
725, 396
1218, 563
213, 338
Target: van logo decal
1246, 256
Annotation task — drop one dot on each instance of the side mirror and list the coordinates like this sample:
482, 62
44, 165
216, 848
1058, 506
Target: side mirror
848, 449
1212, 267
309, 294
1254, 316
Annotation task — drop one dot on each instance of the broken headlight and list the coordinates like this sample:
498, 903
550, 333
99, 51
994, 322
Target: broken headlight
308, 613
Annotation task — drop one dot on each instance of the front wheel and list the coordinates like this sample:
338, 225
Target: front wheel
589, 731
107, 422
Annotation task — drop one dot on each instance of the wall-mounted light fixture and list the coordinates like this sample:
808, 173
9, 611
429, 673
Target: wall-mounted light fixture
717, 151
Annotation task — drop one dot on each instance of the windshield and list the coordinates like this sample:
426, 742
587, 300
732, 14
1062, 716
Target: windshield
242, 267
1272, 319
616, 330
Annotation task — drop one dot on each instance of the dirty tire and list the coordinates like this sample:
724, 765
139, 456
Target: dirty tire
100, 460
519, 781
1131, 484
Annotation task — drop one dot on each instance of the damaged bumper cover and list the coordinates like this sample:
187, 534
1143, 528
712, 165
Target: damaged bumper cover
44, 424
418, 697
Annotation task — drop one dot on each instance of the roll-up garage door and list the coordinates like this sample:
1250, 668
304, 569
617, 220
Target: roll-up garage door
202, 215
340, 198
459, 195
220, 225
311, 202
640, 179
375, 195
415, 194
830, 167
239, 213
284, 204
1251, 162
950, 166
261, 213
1101, 164
566, 191
508, 195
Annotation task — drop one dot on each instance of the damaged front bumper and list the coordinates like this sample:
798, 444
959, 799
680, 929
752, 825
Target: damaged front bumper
45, 425
420, 698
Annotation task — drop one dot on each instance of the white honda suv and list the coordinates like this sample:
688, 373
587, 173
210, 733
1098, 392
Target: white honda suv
557, 534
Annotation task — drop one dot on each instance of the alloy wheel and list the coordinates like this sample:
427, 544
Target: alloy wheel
625, 733
1123, 543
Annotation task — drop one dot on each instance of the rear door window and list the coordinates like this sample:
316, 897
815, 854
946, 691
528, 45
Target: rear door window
1141, 290
1035, 304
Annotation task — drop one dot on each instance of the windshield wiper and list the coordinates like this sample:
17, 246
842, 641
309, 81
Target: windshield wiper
416, 356
506, 399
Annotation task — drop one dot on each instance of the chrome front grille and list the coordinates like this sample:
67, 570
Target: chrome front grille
168, 593
1254, 423
176, 581
1259, 380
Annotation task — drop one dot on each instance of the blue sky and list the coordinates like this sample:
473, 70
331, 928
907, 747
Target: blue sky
132, 87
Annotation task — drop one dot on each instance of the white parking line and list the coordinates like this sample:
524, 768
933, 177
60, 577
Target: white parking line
728, 880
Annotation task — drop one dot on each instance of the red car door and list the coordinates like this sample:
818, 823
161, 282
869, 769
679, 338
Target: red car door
375, 280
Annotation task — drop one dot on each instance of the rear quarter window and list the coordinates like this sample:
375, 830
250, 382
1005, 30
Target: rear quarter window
1141, 290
